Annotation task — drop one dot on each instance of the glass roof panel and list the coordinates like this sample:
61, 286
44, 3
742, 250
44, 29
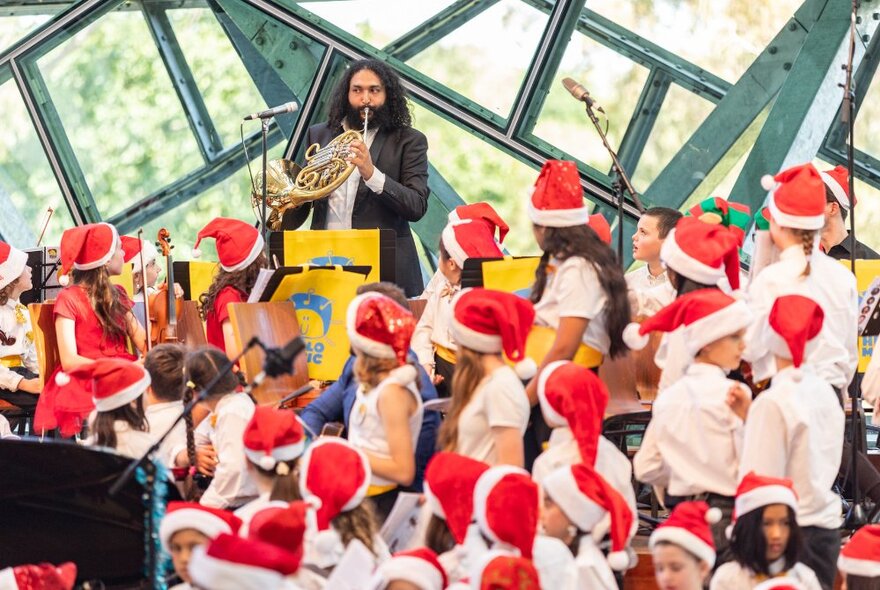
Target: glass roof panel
722, 36
14, 28
26, 179
614, 81
119, 110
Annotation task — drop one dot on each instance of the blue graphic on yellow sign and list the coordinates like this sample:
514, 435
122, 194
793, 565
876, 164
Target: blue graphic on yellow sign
331, 259
314, 314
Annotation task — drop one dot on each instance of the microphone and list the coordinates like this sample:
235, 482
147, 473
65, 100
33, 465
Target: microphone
580, 93
279, 361
287, 107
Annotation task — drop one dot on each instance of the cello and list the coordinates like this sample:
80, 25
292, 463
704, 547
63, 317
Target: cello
164, 306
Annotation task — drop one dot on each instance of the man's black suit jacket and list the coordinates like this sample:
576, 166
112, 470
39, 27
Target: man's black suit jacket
402, 155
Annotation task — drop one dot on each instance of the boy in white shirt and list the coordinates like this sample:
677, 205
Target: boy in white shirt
653, 227
795, 430
693, 443
164, 398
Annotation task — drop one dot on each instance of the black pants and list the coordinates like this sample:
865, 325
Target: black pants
445, 369
821, 549
22, 399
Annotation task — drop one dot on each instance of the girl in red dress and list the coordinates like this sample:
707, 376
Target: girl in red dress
240, 252
93, 320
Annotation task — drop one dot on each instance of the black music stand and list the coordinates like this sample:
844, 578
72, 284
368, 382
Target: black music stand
55, 507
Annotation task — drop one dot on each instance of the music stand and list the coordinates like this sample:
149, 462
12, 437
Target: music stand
56, 508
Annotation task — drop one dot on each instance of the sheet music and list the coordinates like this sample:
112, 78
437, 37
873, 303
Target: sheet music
402, 521
260, 285
355, 565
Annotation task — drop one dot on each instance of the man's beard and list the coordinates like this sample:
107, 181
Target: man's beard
379, 117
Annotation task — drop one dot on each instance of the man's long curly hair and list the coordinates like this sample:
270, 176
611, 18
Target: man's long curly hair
395, 95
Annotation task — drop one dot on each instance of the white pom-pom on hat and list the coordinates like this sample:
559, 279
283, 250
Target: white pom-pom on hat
768, 183
64, 280
713, 515
526, 369
404, 374
196, 253
62, 378
633, 338
728, 532
267, 462
618, 560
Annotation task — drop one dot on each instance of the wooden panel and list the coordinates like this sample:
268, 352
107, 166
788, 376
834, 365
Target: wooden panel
631, 379
275, 324
190, 329
417, 307
43, 324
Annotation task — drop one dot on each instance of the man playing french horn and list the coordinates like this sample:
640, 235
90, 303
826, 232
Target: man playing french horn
389, 187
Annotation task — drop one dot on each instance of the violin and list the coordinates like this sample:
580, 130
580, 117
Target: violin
164, 306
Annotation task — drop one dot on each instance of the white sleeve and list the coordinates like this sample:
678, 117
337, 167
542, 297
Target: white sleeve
507, 404
9, 379
728, 577
421, 338
871, 380
756, 352
648, 464
579, 292
231, 471
765, 445
854, 341
201, 433
376, 182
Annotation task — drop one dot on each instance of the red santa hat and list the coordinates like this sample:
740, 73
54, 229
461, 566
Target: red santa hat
234, 563
132, 247
192, 515
238, 243
43, 576
797, 199
115, 381
585, 498
783, 583
557, 199
689, 527
861, 555
469, 239
837, 181
379, 327
707, 315
506, 508
793, 323
702, 252
483, 213
450, 480
599, 224
498, 569
574, 397
282, 527
419, 567
492, 322
756, 491
334, 477
12, 263
86, 247
272, 437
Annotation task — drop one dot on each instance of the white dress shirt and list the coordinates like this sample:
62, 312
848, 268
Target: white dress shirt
694, 440
590, 569
224, 429
340, 204
129, 442
435, 325
795, 429
160, 417
733, 576
835, 352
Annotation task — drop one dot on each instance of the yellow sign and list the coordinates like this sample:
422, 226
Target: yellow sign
321, 297
336, 247
866, 272
125, 279
512, 275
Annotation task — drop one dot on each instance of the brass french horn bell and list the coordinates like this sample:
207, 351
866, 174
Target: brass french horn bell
290, 185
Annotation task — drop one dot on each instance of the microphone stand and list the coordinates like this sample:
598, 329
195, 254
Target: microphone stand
621, 183
149, 466
855, 518
264, 230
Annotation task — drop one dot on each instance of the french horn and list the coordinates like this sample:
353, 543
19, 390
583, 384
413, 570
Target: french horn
288, 185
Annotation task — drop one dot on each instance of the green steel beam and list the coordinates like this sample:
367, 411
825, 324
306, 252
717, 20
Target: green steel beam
55, 144
542, 71
197, 115
727, 133
224, 165
802, 114
442, 200
441, 24
643, 119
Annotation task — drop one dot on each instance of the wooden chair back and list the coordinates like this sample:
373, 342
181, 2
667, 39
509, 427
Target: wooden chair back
417, 307
45, 340
190, 328
275, 323
631, 379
